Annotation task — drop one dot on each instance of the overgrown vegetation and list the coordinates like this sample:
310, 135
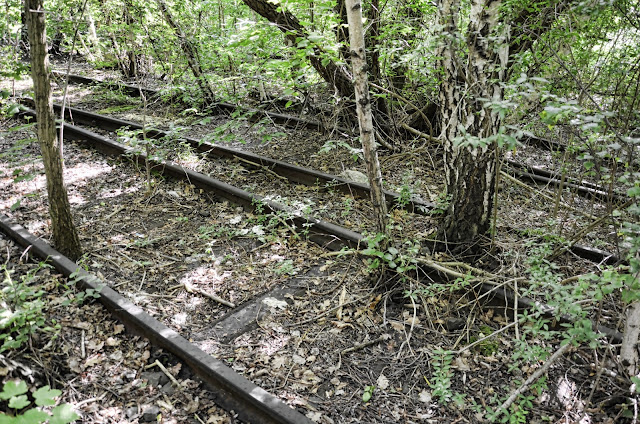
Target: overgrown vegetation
569, 72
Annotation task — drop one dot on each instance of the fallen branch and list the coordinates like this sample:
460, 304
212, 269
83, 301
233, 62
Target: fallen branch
191, 289
541, 194
263, 167
365, 344
580, 234
165, 371
420, 133
532, 378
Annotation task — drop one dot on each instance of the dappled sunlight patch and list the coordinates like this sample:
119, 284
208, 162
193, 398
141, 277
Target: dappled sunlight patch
84, 172
189, 301
37, 227
274, 344
76, 199
568, 395
209, 276
209, 346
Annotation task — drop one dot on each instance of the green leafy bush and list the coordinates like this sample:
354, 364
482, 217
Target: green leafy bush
21, 309
15, 393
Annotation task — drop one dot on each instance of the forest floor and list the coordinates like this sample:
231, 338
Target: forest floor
335, 332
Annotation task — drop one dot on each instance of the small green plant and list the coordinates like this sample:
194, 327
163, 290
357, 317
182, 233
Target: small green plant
368, 393
286, 268
442, 373
402, 260
21, 313
487, 347
330, 145
347, 206
405, 193
26, 411
436, 289
442, 204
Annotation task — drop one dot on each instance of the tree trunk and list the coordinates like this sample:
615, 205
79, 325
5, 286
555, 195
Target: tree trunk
65, 236
190, 52
466, 121
334, 74
363, 102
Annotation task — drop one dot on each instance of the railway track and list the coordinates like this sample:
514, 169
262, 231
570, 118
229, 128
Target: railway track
235, 392
325, 234
312, 177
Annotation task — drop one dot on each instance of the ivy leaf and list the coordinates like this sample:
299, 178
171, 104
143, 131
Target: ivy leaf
63, 414
33, 416
13, 388
19, 402
7, 419
44, 396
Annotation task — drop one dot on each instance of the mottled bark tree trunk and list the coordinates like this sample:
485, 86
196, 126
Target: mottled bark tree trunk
65, 236
474, 67
363, 102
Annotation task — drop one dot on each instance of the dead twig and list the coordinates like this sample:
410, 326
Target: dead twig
365, 344
165, 371
532, 378
541, 194
265, 168
191, 289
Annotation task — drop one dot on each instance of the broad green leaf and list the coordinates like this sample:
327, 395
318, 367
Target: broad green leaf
44, 396
7, 419
19, 402
63, 414
33, 416
13, 388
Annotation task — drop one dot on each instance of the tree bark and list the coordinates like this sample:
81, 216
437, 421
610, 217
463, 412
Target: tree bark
363, 102
334, 74
190, 52
65, 236
466, 121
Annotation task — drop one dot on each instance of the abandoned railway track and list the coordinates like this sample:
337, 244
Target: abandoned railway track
235, 392
325, 234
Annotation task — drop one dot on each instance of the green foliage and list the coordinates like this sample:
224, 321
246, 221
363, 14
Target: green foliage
22, 309
334, 145
34, 412
286, 268
442, 373
368, 393
442, 204
401, 259
437, 289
